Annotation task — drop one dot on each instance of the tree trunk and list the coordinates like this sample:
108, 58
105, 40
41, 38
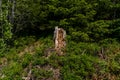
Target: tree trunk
13, 11
59, 39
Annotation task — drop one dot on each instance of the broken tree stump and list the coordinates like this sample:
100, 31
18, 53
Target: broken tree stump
59, 40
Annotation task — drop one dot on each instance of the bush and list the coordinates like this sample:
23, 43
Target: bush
12, 71
77, 67
40, 74
24, 41
26, 60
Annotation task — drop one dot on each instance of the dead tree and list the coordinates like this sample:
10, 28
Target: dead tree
59, 39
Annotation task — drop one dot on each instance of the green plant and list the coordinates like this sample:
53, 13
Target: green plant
12, 71
42, 74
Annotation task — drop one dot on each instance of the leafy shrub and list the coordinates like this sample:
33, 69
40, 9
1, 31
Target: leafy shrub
12, 71
24, 41
77, 67
39, 74
26, 60
82, 48
39, 61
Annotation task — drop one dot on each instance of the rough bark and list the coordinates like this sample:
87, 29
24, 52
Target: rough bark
59, 39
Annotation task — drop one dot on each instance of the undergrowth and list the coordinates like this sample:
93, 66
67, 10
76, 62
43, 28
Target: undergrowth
81, 61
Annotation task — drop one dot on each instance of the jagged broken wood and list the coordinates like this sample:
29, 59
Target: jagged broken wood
59, 43
59, 39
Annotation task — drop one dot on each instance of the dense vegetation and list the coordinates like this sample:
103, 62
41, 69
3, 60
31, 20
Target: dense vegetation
93, 39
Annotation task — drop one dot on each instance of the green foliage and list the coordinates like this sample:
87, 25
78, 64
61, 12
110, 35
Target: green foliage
82, 48
42, 74
81, 61
98, 30
83, 20
79, 35
24, 41
12, 55
84, 57
93, 32
54, 60
77, 67
2, 46
39, 61
12, 71
5, 25
27, 58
